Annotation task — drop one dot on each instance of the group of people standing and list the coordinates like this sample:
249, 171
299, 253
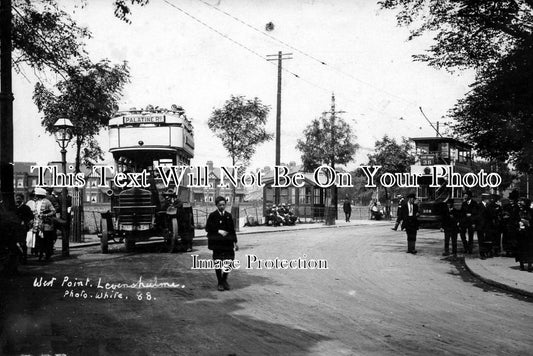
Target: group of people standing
503, 228
282, 214
39, 216
32, 228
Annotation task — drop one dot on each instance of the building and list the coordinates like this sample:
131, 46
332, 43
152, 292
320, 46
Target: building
213, 189
308, 201
25, 180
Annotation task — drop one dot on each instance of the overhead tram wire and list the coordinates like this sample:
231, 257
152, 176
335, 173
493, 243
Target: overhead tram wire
307, 54
225, 36
263, 33
265, 58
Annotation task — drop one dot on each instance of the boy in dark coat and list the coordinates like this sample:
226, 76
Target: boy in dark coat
221, 239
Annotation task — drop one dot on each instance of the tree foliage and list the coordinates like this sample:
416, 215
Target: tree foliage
493, 166
494, 37
327, 144
122, 9
46, 37
240, 124
467, 33
393, 157
88, 97
497, 115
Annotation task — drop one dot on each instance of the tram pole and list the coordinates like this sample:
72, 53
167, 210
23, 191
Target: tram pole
280, 57
6, 107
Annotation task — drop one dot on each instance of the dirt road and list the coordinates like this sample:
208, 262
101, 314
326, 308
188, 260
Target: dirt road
374, 299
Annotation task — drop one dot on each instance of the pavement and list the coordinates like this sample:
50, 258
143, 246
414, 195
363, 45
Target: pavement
501, 272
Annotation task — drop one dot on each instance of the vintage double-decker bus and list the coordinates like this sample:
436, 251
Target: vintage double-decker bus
431, 152
141, 141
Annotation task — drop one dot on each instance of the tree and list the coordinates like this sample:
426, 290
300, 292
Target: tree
41, 35
324, 145
327, 140
493, 166
393, 157
44, 36
467, 33
88, 97
240, 124
122, 11
497, 115
494, 37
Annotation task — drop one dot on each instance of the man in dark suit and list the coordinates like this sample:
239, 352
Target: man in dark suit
450, 226
221, 239
467, 223
409, 213
488, 226
347, 208
398, 213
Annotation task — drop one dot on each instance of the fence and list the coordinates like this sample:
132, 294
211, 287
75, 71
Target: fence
248, 212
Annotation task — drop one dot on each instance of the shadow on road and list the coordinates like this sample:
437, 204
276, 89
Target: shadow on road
195, 318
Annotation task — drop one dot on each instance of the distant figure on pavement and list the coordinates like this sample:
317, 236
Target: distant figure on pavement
347, 208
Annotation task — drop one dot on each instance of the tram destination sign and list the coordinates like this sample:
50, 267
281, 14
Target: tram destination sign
143, 119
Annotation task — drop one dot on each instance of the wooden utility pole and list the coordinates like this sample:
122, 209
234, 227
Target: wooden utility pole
280, 57
332, 116
6, 107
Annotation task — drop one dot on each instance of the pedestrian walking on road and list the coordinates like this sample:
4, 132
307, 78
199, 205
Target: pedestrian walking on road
409, 213
221, 239
347, 208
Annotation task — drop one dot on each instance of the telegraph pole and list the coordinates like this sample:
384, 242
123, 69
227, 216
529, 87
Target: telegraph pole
280, 57
6, 106
332, 116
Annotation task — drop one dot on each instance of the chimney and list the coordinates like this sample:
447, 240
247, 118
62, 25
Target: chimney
209, 164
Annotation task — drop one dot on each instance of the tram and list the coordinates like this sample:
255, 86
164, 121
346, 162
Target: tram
431, 152
140, 142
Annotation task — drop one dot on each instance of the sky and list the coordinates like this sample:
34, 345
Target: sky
197, 53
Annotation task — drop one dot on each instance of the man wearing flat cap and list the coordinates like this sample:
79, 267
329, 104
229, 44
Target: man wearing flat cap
409, 216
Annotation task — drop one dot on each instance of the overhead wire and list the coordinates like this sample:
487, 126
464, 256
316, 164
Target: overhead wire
306, 54
262, 57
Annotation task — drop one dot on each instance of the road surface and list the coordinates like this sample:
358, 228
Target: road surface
373, 299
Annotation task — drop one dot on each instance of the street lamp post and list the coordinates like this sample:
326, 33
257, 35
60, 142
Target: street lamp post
63, 135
